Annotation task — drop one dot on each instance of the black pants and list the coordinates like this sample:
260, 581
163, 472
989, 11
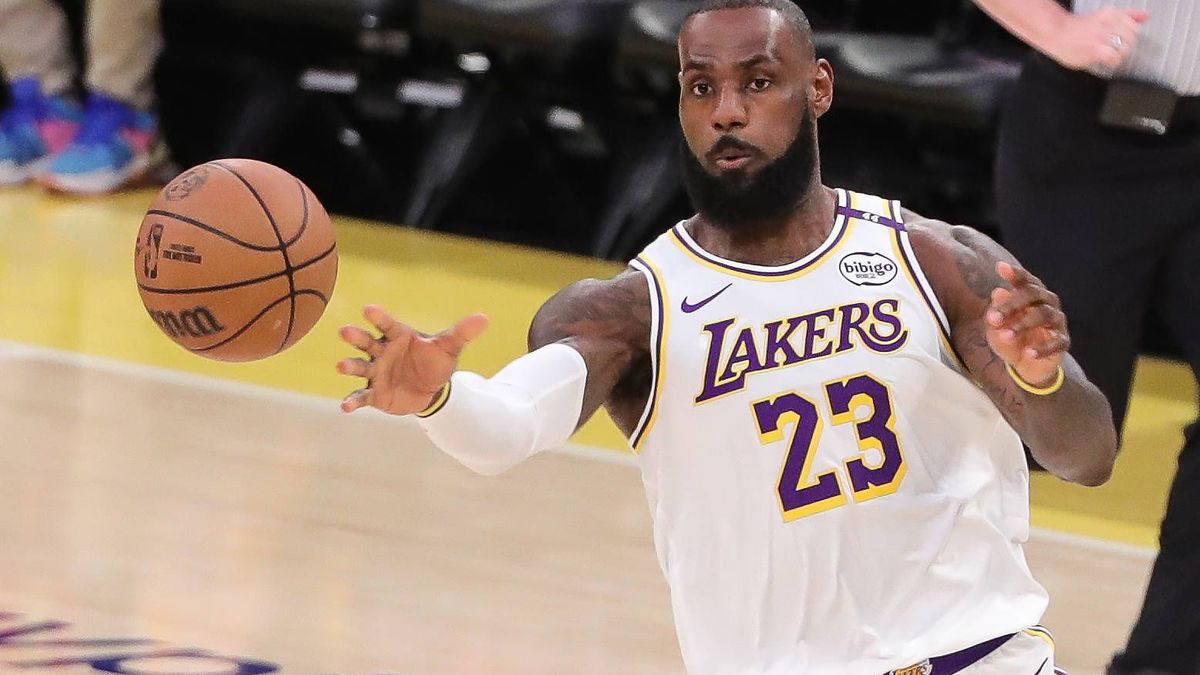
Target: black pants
1110, 220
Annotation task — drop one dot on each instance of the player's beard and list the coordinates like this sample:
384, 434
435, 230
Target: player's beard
736, 200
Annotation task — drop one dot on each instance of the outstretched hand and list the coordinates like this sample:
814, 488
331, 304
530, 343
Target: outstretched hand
404, 369
1026, 326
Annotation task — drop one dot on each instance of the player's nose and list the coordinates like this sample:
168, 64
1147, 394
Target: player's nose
730, 112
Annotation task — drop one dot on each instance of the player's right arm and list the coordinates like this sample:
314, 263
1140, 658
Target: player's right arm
608, 323
588, 345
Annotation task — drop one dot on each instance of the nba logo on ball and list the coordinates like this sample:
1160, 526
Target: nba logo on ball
235, 260
185, 184
153, 248
868, 269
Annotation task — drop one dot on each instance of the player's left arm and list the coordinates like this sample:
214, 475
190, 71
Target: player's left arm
1005, 324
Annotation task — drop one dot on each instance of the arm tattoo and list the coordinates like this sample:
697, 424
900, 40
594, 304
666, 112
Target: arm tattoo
977, 272
978, 276
965, 290
617, 309
990, 373
1070, 433
608, 322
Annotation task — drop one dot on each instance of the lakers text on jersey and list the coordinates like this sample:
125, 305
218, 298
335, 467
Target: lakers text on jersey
830, 491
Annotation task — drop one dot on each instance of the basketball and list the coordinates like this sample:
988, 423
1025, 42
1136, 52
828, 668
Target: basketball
235, 260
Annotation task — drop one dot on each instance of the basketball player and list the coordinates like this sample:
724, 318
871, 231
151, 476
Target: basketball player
827, 393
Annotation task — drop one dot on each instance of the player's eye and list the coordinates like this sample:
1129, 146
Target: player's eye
701, 89
759, 83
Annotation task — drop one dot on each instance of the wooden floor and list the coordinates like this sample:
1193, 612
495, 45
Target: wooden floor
150, 504
250, 523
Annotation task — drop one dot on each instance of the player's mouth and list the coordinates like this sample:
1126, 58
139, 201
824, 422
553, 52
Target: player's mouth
731, 153
729, 161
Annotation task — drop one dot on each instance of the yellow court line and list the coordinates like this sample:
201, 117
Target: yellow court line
66, 282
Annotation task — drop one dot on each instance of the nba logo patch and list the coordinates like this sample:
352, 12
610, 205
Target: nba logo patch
922, 668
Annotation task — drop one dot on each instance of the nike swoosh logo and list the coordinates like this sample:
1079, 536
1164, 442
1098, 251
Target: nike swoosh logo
688, 307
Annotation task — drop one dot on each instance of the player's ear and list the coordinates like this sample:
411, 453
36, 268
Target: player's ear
821, 91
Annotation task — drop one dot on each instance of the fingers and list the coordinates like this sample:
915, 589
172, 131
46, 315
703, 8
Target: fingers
355, 367
1128, 24
1038, 316
1054, 343
1119, 43
1121, 28
1036, 332
1007, 306
1138, 15
388, 326
1125, 25
1038, 342
454, 340
1015, 275
361, 398
1112, 18
361, 340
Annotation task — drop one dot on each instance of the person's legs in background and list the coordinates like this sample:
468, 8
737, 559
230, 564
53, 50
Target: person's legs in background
1167, 634
118, 142
1092, 239
1100, 215
35, 56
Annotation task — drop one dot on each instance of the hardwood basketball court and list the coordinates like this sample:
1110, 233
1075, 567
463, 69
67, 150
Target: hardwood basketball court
152, 506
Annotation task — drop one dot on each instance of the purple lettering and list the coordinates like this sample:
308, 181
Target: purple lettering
852, 317
816, 333
877, 326
745, 351
778, 342
716, 347
116, 663
7, 635
241, 667
896, 338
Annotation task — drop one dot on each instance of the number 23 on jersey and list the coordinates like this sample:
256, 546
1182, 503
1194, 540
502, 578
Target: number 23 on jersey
802, 494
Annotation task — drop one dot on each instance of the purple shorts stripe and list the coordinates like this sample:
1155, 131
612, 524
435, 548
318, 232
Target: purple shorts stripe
949, 664
952, 663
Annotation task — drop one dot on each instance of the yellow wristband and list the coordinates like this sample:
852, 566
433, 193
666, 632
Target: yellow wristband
1054, 386
439, 402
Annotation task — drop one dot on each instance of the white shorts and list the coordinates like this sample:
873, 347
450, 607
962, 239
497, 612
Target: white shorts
1030, 652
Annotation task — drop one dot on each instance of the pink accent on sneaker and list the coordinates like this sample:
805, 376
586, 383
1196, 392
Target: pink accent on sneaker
140, 141
57, 134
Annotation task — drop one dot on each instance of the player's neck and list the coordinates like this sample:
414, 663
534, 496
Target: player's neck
775, 242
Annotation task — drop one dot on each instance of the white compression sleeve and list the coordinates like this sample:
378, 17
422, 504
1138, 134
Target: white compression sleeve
491, 425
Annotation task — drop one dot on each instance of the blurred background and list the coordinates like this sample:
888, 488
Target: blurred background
556, 117
552, 123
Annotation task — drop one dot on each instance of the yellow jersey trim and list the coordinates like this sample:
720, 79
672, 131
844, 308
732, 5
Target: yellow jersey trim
914, 276
660, 313
834, 242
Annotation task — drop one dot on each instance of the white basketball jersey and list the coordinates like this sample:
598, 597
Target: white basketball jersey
830, 493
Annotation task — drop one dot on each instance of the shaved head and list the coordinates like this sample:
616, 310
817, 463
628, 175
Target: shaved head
788, 10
